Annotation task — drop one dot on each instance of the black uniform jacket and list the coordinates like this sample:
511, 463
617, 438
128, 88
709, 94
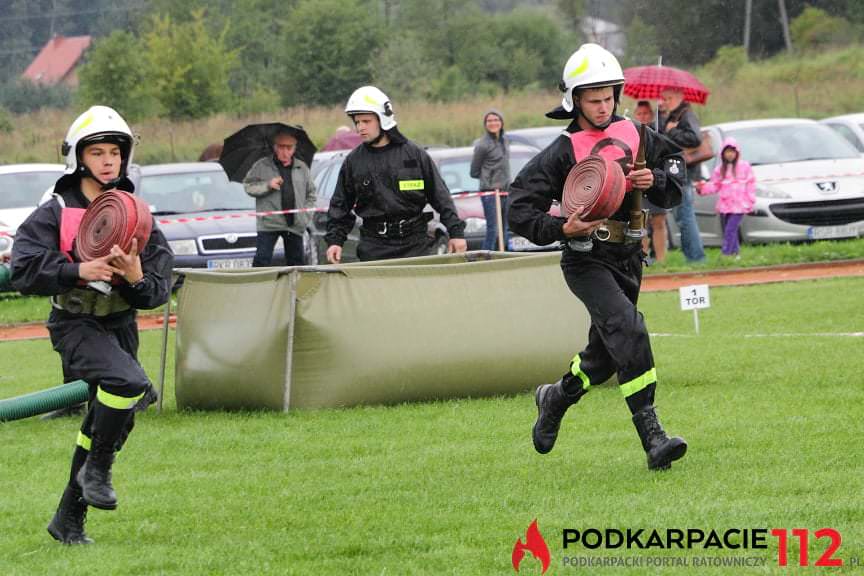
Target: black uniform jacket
39, 267
687, 133
390, 183
542, 180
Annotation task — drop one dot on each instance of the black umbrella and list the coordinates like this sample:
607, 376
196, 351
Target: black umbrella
248, 145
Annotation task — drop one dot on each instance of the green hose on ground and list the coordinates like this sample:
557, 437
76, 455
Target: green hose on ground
44, 401
5, 277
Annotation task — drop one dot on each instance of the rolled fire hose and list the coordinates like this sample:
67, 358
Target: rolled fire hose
44, 401
115, 217
596, 185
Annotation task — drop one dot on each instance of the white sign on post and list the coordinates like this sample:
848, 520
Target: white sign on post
693, 298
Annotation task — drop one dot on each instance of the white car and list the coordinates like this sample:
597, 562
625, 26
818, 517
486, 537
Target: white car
21, 186
851, 127
809, 183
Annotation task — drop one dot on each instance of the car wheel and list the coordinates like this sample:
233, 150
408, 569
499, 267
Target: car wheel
310, 250
439, 246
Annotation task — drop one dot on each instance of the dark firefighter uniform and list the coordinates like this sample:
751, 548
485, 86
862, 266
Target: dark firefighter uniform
388, 187
607, 277
95, 335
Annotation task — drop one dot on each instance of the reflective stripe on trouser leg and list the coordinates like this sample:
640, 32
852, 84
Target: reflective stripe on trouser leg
639, 383
83, 441
576, 370
115, 401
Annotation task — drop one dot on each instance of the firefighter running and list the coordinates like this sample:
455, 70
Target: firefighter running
95, 332
604, 270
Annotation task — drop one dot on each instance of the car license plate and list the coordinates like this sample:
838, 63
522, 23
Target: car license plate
824, 232
519, 244
229, 263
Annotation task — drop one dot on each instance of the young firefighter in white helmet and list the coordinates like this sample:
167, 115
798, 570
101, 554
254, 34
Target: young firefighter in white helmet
603, 270
95, 334
387, 181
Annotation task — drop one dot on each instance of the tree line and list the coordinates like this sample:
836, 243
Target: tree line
193, 58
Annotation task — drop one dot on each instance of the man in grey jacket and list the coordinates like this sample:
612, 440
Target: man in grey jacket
491, 165
278, 183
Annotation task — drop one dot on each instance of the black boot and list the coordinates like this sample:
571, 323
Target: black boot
67, 526
95, 477
661, 449
552, 402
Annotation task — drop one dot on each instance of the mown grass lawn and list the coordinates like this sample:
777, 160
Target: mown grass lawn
772, 415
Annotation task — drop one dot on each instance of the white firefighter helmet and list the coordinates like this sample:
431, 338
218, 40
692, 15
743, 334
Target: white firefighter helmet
591, 66
98, 124
371, 100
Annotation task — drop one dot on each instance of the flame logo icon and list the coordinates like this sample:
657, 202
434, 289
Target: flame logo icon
535, 544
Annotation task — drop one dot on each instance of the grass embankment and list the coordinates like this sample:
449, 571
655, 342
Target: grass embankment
773, 423
783, 86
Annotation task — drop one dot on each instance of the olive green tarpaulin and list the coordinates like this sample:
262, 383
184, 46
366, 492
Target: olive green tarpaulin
467, 325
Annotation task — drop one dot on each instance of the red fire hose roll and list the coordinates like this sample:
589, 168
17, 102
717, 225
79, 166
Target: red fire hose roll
596, 185
115, 217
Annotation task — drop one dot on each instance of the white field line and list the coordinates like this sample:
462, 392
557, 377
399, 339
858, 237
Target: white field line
774, 335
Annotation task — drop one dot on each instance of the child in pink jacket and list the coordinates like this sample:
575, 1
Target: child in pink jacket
733, 180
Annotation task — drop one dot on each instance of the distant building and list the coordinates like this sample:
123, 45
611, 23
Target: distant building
605, 33
57, 61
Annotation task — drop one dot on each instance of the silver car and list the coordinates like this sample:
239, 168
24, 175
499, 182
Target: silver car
850, 126
809, 183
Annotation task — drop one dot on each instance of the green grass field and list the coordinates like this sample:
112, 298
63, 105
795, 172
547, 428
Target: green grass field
769, 397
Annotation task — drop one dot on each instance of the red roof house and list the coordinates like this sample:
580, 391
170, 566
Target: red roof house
57, 60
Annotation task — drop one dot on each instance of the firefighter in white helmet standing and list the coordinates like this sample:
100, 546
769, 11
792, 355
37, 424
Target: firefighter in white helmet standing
602, 267
94, 332
387, 181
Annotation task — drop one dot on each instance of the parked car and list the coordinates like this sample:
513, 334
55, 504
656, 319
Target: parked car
851, 127
538, 138
325, 173
206, 219
455, 167
809, 183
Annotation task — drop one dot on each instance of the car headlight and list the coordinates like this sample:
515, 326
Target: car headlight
475, 226
768, 192
183, 247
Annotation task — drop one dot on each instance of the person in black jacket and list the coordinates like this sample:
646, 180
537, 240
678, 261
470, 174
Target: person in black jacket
601, 263
682, 127
387, 181
92, 321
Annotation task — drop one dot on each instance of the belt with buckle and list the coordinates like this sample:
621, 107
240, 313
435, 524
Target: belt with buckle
82, 301
393, 228
611, 232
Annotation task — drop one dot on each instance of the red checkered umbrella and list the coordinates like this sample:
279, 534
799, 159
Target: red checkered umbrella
647, 82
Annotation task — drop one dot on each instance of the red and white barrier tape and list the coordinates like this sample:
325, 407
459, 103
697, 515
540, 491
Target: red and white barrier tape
237, 215
228, 216
791, 178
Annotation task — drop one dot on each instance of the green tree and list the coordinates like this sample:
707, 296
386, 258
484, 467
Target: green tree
642, 45
328, 50
187, 67
115, 75
814, 29
402, 68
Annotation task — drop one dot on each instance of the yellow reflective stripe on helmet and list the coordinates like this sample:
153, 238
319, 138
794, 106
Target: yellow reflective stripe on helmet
410, 185
116, 402
369, 100
577, 371
83, 441
84, 123
639, 383
579, 69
